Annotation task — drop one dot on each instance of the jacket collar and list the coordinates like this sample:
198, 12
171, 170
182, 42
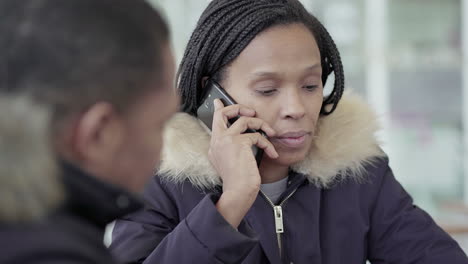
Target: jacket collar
31, 186
345, 143
29, 175
94, 200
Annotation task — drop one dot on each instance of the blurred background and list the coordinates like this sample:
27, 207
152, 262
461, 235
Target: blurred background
407, 57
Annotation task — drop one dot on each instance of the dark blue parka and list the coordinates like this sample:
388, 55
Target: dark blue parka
342, 205
71, 233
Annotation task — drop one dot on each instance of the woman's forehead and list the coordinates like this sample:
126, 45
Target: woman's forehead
281, 46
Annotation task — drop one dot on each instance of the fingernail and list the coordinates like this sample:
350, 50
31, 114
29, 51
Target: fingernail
216, 104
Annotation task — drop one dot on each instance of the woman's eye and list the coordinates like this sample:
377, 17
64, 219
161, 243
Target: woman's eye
310, 87
266, 92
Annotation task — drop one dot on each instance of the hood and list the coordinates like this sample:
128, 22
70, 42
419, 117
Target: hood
29, 184
345, 143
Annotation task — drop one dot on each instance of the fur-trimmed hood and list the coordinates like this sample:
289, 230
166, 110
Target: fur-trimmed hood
345, 142
29, 184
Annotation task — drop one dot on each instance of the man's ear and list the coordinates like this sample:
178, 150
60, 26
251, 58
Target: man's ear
98, 133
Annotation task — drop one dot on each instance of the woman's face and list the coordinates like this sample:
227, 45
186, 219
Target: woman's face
279, 75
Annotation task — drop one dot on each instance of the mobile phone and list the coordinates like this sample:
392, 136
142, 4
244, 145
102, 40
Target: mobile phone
206, 110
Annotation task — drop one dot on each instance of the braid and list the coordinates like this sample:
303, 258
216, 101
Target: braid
226, 27
331, 62
241, 37
192, 66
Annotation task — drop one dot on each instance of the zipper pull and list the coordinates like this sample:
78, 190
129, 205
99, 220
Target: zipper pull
278, 219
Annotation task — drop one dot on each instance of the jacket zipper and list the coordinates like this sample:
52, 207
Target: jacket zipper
278, 214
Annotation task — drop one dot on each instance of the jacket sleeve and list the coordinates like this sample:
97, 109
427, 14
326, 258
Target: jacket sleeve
156, 235
403, 233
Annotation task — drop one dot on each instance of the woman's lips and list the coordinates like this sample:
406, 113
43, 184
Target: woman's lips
293, 139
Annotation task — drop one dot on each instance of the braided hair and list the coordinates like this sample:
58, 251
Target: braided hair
226, 27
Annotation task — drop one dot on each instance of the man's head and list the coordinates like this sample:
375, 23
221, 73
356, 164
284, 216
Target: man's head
104, 68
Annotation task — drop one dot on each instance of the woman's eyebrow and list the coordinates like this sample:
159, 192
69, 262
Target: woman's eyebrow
265, 73
313, 67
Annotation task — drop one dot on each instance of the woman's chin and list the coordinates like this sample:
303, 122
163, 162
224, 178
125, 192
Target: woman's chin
286, 158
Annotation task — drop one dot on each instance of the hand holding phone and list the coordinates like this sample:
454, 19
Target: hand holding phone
206, 111
234, 134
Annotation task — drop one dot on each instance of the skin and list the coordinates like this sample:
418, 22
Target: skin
123, 148
277, 82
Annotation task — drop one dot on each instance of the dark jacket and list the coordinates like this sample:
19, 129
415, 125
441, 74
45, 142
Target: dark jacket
342, 205
74, 232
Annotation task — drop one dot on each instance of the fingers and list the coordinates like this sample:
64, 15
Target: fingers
223, 114
219, 121
236, 110
260, 141
244, 123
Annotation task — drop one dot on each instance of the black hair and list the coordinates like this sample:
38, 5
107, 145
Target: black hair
226, 27
70, 54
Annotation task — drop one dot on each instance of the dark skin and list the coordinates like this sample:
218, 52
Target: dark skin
122, 148
277, 82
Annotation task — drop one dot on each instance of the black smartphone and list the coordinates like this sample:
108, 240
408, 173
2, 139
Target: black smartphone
206, 110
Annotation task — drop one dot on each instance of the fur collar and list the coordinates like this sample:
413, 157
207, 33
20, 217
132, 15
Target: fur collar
345, 143
29, 184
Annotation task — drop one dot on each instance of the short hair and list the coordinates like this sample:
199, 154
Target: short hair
226, 27
70, 54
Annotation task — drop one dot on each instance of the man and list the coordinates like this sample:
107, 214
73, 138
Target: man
96, 77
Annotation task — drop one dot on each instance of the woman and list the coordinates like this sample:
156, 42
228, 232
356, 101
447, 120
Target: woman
323, 193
